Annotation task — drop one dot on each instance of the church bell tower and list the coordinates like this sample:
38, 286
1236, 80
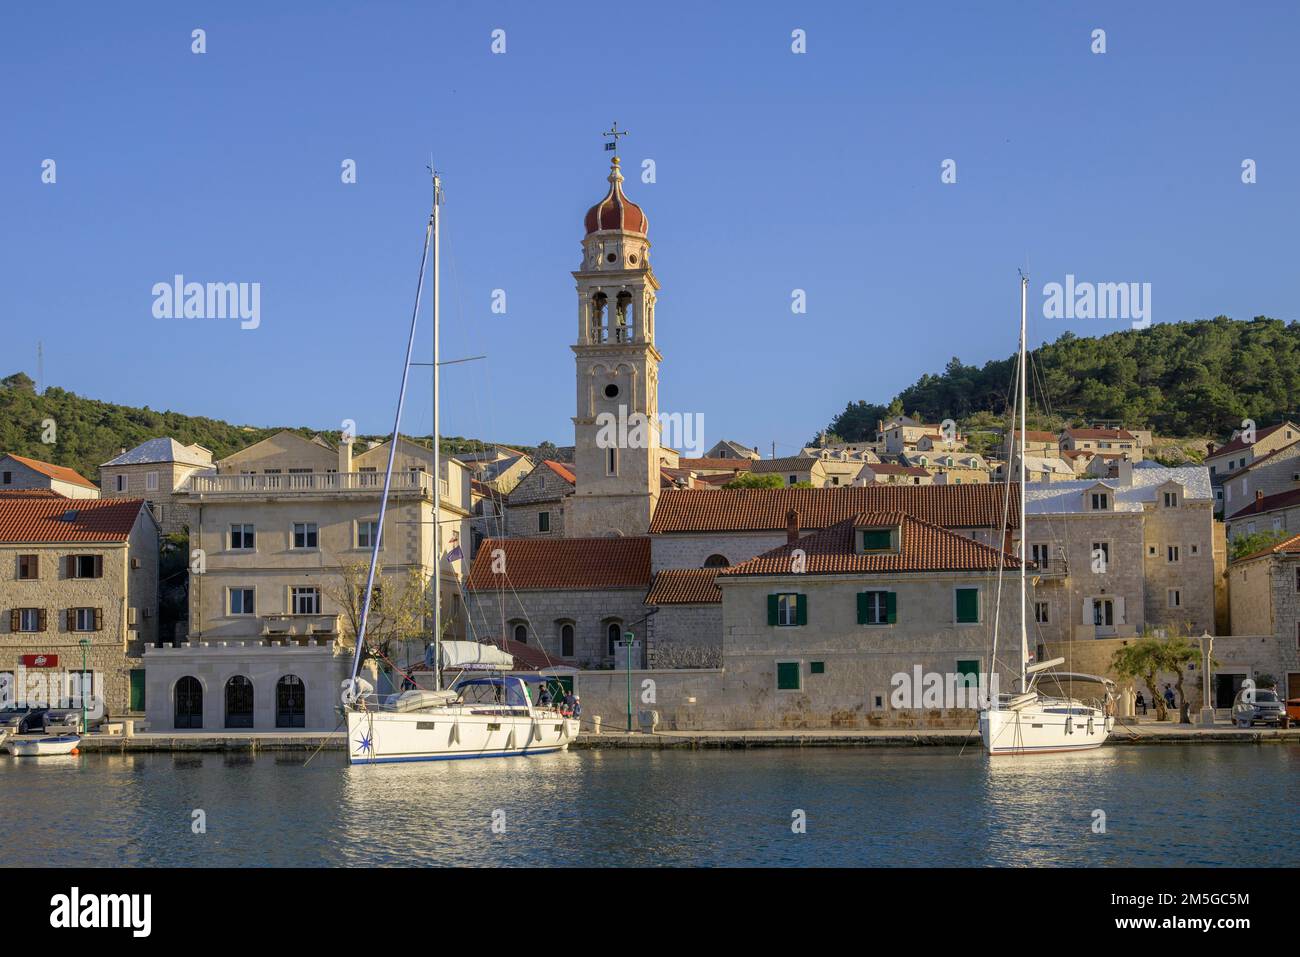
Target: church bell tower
616, 425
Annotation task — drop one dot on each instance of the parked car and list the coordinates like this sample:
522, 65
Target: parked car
1257, 706
62, 721
22, 720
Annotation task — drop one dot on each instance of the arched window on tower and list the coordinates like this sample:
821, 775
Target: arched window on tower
716, 561
624, 319
599, 302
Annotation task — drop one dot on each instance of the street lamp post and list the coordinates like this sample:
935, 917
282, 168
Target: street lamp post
628, 638
85, 647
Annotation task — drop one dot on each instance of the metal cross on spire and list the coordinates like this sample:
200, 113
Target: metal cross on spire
614, 133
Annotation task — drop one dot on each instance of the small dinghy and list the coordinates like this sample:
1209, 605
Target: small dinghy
40, 747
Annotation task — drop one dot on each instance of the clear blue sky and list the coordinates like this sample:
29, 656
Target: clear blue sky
775, 171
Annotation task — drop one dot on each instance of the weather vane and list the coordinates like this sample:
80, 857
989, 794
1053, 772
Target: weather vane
614, 132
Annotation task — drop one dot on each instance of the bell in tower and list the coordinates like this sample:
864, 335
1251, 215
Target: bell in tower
616, 425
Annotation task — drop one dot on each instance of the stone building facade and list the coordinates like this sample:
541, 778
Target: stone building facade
1264, 592
573, 598
155, 471
74, 571
535, 507
1116, 556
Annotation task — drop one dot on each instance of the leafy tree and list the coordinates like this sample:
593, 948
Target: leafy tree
1142, 659
399, 611
1244, 545
1181, 379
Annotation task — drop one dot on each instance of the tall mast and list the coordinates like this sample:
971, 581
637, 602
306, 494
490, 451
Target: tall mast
1024, 401
437, 456
366, 602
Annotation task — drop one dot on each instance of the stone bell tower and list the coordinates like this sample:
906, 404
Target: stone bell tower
616, 425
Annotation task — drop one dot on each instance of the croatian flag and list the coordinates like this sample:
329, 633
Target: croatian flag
454, 555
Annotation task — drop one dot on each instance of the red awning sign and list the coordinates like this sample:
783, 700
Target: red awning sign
40, 661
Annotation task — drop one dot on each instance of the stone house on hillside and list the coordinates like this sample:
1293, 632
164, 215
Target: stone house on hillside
19, 473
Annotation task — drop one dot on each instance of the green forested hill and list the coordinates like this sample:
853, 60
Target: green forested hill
1180, 379
89, 433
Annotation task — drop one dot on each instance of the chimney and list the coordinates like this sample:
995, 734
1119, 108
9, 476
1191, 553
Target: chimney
791, 527
1259, 496
1124, 470
1209, 449
345, 457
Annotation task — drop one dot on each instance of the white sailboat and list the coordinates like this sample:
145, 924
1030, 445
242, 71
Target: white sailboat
485, 712
1032, 720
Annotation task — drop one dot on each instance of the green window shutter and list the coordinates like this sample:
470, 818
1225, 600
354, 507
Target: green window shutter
891, 606
801, 614
968, 605
875, 538
863, 597
787, 676
771, 609
817, 667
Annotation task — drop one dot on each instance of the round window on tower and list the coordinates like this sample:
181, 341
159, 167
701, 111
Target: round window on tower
611, 391
610, 257
632, 259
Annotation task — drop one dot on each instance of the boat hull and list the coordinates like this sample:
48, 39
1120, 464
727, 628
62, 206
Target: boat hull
42, 747
385, 737
1039, 729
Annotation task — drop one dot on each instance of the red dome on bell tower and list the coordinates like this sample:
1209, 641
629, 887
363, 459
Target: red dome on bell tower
616, 211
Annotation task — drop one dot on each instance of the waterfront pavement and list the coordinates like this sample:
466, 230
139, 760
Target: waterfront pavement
1140, 732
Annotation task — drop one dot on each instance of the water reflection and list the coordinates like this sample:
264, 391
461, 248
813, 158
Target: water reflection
1172, 806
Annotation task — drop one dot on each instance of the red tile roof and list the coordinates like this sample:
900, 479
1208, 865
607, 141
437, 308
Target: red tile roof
733, 465
764, 509
31, 493
1032, 436
572, 564
58, 472
1239, 445
924, 548
1270, 502
561, 470
685, 586
1289, 546
40, 520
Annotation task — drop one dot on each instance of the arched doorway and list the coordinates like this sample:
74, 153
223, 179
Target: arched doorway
290, 702
239, 702
188, 712
614, 633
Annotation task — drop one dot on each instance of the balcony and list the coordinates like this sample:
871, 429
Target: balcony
310, 483
300, 626
1051, 568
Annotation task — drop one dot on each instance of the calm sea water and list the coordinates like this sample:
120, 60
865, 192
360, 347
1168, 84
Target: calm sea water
1168, 806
